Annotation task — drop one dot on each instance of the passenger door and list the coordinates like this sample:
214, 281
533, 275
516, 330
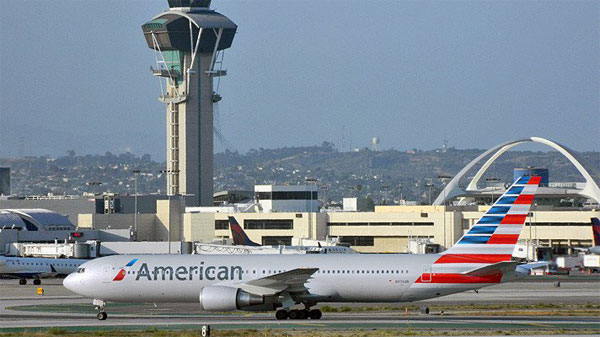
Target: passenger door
426, 275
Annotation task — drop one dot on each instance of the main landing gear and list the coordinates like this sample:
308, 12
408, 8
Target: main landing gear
100, 307
36, 281
298, 314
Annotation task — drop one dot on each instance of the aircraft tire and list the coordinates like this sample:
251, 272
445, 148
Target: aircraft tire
425, 310
315, 314
294, 314
302, 314
281, 314
102, 316
22, 281
37, 282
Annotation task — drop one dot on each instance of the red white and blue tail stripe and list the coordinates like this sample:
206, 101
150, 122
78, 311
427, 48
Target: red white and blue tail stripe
483, 254
493, 238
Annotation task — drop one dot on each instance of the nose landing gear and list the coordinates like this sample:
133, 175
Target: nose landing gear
102, 315
100, 304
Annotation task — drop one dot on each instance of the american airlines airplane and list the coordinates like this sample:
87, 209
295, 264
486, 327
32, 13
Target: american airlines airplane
482, 257
36, 268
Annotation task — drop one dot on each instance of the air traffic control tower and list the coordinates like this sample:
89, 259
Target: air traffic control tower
188, 42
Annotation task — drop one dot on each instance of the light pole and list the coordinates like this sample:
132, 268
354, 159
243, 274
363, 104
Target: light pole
400, 202
444, 180
94, 184
168, 172
135, 202
182, 202
495, 181
314, 181
385, 189
429, 185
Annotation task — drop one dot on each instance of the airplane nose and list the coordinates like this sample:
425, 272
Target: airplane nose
70, 282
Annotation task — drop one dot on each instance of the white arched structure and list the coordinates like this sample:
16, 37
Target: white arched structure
452, 190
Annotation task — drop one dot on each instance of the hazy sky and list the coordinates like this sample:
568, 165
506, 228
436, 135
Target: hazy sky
75, 74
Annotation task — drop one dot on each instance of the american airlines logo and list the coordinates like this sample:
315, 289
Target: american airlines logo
121, 274
182, 273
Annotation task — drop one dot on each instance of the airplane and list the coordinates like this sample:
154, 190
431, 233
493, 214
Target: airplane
36, 268
595, 249
596, 230
482, 257
240, 238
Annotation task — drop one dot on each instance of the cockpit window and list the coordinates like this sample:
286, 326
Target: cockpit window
81, 270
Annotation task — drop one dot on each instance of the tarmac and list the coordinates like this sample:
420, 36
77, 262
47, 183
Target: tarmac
21, 308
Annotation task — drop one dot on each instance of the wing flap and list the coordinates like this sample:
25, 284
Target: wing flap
292, 280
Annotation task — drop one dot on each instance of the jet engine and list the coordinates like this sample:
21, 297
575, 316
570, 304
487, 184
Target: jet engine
221, 298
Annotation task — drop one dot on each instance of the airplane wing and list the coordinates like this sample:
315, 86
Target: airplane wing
291, 281
501, 267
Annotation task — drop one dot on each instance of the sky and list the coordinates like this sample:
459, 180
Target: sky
74, 74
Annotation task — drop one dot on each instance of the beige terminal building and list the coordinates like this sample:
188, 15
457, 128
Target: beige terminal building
387, 229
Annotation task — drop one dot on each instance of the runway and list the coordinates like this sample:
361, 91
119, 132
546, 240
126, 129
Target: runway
21, 309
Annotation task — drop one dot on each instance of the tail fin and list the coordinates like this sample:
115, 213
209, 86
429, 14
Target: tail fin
239, 236
596, 231
495, 235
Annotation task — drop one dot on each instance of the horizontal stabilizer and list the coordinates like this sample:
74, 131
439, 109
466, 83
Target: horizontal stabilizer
527, 267
500, 267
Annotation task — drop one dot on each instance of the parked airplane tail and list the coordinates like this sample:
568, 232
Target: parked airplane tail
238, 235
596, 231
493, 238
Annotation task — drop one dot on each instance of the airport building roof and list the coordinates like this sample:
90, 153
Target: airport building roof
34, 219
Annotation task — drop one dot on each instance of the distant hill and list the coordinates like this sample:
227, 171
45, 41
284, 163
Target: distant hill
381, 175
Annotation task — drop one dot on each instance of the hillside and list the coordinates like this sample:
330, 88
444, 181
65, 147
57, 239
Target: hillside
382, 175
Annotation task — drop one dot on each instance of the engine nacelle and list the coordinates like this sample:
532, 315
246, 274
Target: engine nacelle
221, 298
